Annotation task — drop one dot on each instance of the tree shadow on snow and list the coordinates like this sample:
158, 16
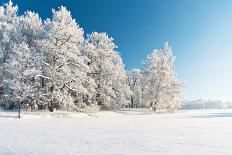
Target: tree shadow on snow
8, 116
214, 115
135, 111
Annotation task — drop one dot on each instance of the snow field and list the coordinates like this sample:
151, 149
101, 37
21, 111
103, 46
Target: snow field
117, 133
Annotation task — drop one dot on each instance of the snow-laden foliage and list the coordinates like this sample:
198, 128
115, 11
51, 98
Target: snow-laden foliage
156, 85
8, 33
21, 72
137, 86
64, 64
51, 65
163, 88
107, 70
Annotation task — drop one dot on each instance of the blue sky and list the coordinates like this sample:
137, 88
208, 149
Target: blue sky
199, 31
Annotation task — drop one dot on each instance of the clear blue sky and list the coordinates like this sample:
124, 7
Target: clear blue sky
199, 31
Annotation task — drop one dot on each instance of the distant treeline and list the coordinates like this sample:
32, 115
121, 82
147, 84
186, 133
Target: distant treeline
205, 104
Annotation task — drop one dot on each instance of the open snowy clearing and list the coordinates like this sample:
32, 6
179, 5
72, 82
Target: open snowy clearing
117, 133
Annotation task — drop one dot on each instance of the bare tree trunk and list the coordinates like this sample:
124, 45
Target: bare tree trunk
21, 96
51, 106
132, 102
19, 109
154, 108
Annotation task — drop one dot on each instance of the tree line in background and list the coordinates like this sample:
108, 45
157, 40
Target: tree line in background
205, 104
51, 65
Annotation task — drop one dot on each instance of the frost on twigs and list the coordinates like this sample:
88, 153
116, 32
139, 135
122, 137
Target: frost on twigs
50, 65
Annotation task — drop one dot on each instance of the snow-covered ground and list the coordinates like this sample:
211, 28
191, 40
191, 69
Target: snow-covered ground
117, 133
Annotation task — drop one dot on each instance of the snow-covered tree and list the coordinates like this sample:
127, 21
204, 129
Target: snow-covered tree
107, 70
8, 36
16, 30
64, 65
164, 89
135, 83
51, 63
31, 31
20, 71
120, 86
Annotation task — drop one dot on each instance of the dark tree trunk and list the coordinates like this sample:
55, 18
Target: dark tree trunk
132, 102
19, 109
51, 107
21, 96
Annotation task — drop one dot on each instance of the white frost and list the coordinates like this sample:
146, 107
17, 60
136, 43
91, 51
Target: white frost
114, 133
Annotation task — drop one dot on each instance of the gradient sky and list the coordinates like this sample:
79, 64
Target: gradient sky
199, 31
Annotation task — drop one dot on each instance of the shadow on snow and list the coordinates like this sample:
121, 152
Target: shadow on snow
214, 115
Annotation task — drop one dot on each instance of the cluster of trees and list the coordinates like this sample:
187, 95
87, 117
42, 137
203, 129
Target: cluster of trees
50, 64
205, 104
156, 86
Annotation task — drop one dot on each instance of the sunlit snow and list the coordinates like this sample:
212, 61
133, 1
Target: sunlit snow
137, 132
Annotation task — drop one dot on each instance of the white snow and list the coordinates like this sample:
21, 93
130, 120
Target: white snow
123, 132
